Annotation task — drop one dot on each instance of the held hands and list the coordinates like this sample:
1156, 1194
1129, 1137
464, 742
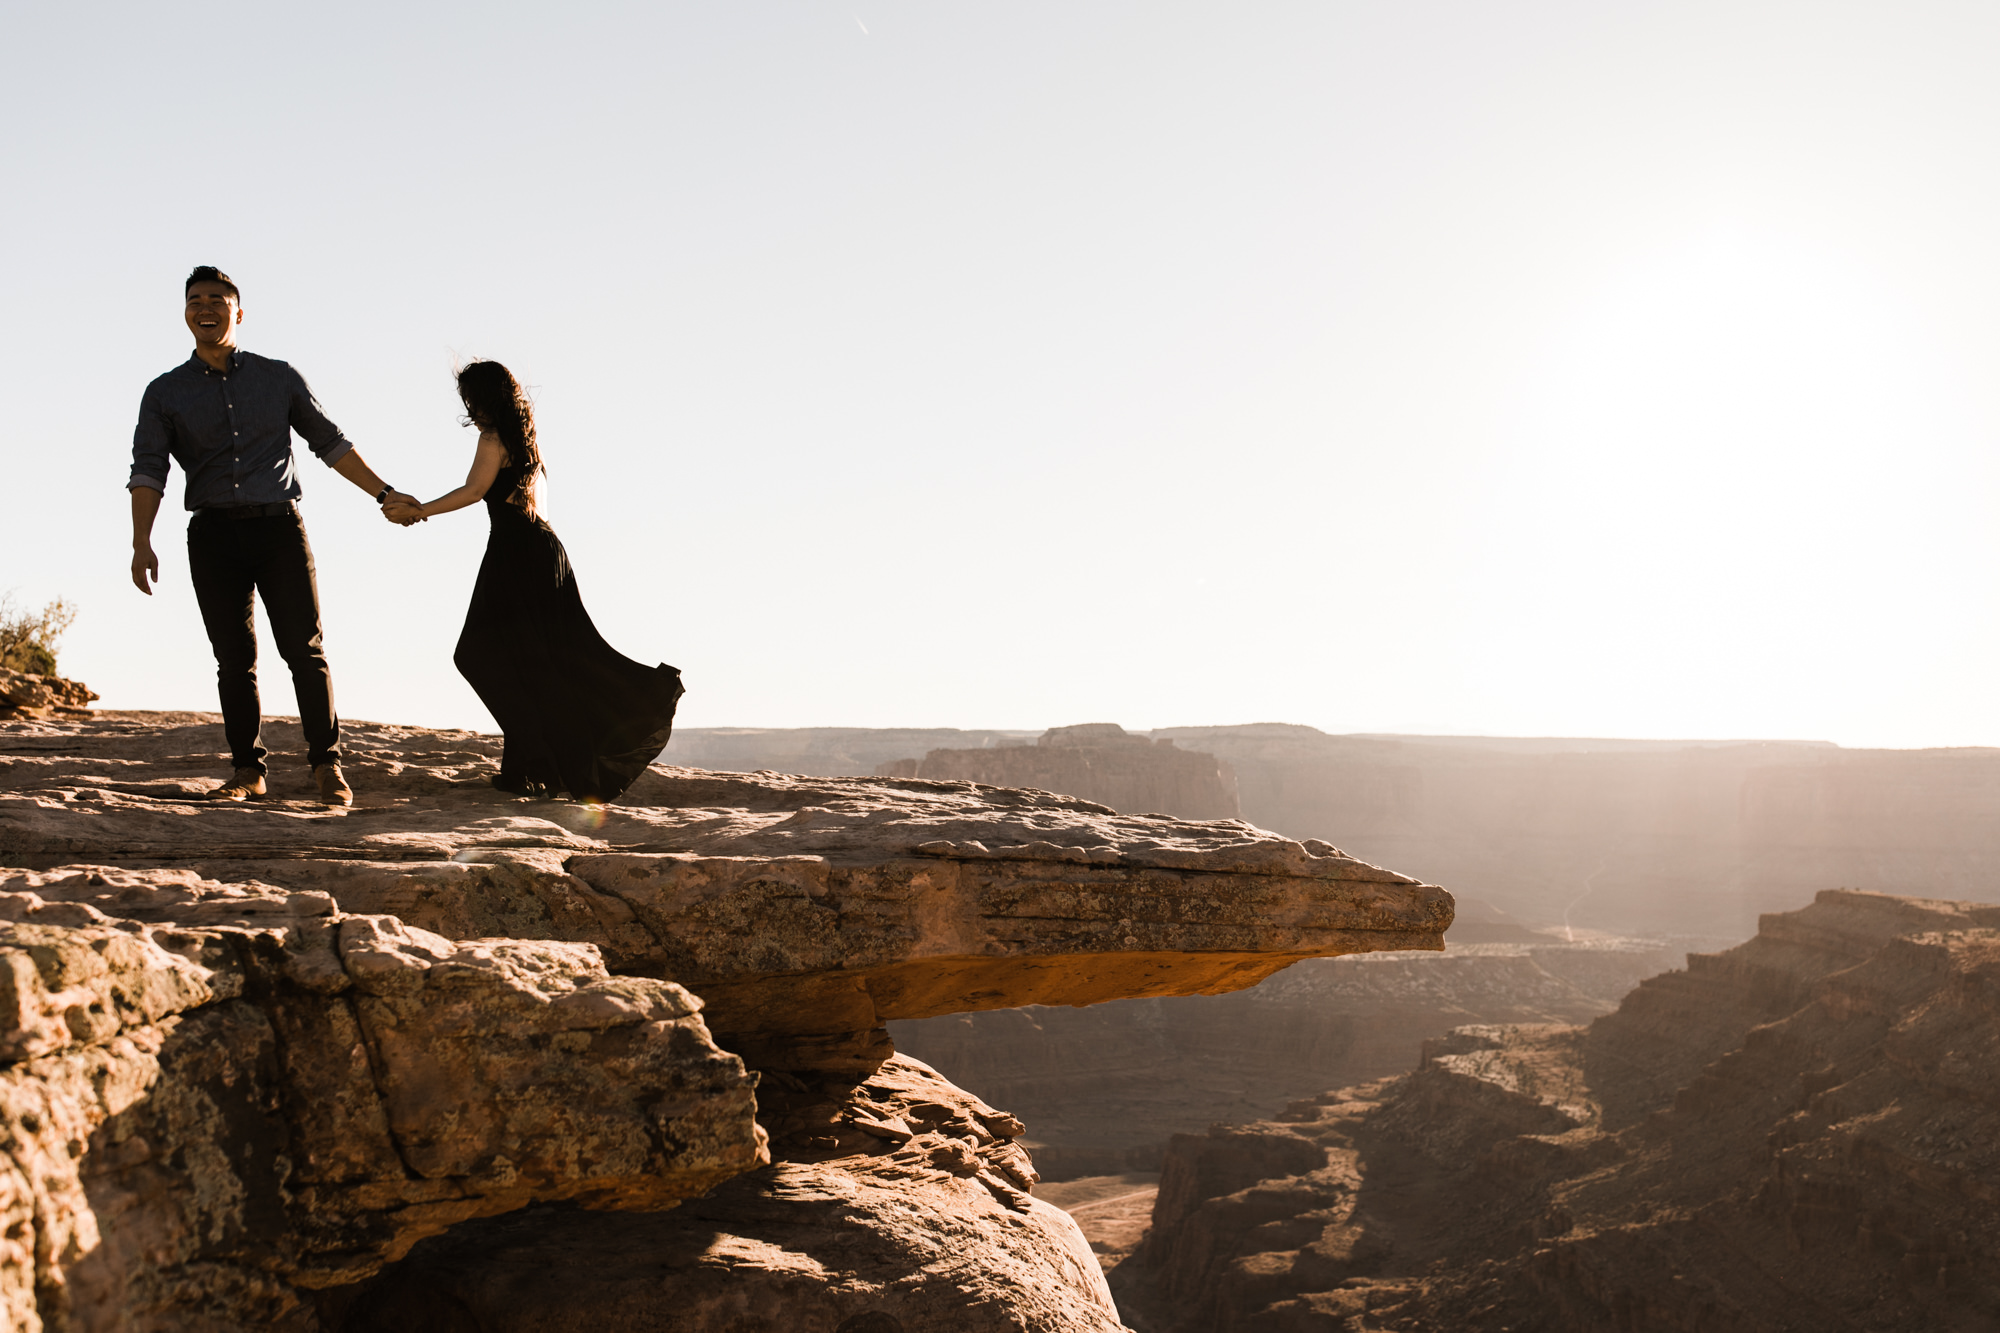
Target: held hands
402, 510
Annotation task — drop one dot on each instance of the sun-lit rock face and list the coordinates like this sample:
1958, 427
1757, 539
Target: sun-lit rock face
208, 1119
254, 1054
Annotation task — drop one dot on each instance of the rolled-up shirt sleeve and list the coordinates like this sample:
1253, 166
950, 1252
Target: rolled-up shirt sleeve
152, 444
307, 418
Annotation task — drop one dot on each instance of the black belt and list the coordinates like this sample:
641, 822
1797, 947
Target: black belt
247, 511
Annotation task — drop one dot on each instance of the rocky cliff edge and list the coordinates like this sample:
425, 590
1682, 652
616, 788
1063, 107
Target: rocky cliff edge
280, 1066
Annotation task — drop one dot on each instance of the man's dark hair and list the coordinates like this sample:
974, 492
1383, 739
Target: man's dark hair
210, 273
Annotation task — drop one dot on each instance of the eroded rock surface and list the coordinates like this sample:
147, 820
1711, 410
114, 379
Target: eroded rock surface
280, 1066
1802, 1133
804, 911
207, 1118
898, 1202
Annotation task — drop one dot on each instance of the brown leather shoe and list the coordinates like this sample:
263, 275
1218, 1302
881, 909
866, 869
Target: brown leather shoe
247, 785
333, 788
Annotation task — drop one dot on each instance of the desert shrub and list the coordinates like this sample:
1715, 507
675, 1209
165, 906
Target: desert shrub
28, 639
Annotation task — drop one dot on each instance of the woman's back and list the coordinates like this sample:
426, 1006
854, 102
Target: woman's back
516, 485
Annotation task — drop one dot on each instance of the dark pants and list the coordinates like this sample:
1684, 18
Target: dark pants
229, 559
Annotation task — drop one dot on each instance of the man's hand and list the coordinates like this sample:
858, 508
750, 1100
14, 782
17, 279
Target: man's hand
145, 506
145, 565
402, 509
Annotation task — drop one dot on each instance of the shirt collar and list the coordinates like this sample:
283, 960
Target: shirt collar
235, 361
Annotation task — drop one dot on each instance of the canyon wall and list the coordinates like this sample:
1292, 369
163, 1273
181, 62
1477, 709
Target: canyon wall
1801, 1133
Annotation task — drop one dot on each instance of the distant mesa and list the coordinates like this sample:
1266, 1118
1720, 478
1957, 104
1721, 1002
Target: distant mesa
1098, 761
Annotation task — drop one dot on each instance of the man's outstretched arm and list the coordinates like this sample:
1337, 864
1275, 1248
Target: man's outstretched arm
145, 565
324, 439
350, 466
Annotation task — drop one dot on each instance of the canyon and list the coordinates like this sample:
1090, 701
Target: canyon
1104, 1089
478, 1062
1799, 1133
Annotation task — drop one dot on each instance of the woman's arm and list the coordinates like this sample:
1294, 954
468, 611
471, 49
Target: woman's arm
486, 465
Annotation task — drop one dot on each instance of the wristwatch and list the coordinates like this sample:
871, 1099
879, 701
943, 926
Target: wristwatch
387, 491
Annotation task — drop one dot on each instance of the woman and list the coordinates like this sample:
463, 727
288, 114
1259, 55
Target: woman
578, 715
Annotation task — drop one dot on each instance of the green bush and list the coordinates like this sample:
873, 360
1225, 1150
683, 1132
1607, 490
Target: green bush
28, 639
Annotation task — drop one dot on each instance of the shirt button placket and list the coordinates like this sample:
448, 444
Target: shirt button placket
236, 461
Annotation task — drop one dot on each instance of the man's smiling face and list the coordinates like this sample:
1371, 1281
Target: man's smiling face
212, 314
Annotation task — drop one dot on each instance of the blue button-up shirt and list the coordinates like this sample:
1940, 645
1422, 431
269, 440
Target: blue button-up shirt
231, 433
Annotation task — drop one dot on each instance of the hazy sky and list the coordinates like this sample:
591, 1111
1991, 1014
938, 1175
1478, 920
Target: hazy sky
1593, 368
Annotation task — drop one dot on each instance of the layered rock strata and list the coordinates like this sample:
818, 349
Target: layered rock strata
275, 1065
1627, 837
1802, 1133
804, 911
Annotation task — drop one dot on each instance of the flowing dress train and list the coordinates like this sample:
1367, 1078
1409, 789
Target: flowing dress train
578, 715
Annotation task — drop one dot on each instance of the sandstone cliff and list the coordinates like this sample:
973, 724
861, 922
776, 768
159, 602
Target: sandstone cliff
1098, 761
280, 1066
1797, 1134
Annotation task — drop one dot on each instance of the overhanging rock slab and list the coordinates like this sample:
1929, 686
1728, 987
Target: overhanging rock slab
804, 911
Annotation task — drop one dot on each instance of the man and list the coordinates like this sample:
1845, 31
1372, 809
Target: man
227, 417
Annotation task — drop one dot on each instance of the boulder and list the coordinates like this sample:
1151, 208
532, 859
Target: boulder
27, 694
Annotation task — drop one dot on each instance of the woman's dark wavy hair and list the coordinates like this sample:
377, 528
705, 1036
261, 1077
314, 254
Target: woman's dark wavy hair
494, 400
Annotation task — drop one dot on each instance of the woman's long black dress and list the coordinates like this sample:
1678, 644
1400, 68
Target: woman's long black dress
578, 715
